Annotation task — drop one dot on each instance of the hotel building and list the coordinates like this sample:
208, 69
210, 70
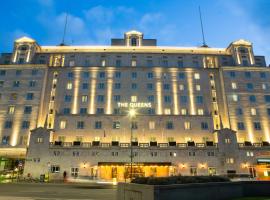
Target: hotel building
196, 110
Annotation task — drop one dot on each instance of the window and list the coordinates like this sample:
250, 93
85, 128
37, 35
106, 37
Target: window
116, 125
134, 75
165, 63
183, 111
150, 75
262, 74
264, 86
133, 98
86, 74
25, 124
102, 74
227, 141
16, 84
76, 153
100, 98
98, 125
181, 87
268, 111
204, 126
39, 140
114, 153
117, 75
267, 98
253, 111
169, 125
29, 96
116, 98
100, 110
34, 72
229, 160
167, 111
152, 125
247, 74
239, 111
74, 171
198, 87
133, 86
118, 63
235, 97
117, 85
11, 110
187, 126
149, 63
101, 86
133, 41
183, 99
55, 168
134, 125
167, 99
149, 86
84, 98
13, 96
180, 63
151, 98
103, 63
27, 109
2, 72
151, 111
5, 139
249, 86
257, 125
133, 63
166, 86
199, 99
18, 72
252, 98
210, 153
154, 154
80, 125
2, 84
116, 111
250, 154
66, 110
200, 111
197, 76
181, 75
63, 124
68, 98
85, 86
70, 75
32, 83
240, 126
234, 85
83, 111
8, 124
69, 86
191, 153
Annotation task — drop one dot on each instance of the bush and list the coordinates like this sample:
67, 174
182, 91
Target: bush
179, 180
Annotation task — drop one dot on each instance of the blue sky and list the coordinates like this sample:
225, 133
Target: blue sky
172, 22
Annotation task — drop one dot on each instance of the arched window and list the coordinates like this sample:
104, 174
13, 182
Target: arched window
23, 47
133, 41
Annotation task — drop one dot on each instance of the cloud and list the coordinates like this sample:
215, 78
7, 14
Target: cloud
47, 3
99, 14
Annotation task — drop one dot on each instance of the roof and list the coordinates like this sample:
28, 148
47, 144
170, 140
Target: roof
25, 39
133, 32
242, 42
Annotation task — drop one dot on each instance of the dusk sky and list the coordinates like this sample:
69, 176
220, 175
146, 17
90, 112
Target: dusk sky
171, 22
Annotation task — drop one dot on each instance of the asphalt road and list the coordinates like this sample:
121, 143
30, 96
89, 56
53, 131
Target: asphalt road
45, 191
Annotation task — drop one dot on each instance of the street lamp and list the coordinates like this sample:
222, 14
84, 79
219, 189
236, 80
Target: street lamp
132, 114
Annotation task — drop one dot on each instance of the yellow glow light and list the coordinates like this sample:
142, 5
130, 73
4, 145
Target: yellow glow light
76, 91
159, 91
109, 92
249, 128
93, 92
175, 93
191, 92
132, 113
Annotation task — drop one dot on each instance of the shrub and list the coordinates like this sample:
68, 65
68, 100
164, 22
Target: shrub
179, 180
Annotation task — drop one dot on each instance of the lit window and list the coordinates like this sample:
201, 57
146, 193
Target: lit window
69, 86
229, 160
84, 98
204, 125
234, 86
152, 125
11, 110
116, 125
227, 140
253, 111
103, 63
197, 76
200, 112
167, 111
264, 86
39, 140
133, 98
187, 126
250, 154
181, 87
235, 97
80, 125
198, 87
183, 111
133, 63
63, 124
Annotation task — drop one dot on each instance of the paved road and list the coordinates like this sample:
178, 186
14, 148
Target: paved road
45, 191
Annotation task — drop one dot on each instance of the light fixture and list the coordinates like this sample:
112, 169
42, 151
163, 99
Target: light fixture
132, 112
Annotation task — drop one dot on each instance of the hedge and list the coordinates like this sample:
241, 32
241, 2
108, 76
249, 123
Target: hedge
178, 180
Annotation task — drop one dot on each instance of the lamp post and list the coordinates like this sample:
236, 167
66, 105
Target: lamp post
132, 115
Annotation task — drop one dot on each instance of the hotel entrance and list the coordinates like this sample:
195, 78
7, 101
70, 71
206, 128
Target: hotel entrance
122, 171
263, 169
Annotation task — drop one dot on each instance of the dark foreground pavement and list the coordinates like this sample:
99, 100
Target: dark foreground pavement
46, 191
